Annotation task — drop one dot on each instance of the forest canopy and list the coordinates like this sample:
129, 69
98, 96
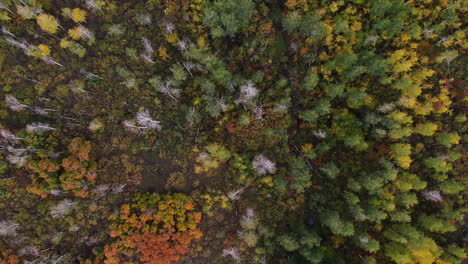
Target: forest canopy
233, 131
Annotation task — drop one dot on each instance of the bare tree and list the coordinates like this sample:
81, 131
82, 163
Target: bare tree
189, 66
92, 5
147, 58
183, 45
18, 151
119, 188
29, 251
233, 252
21, 45
320, 134
14, 104
55, 192
85, 33
74, 228
280, 108
144, 19
385, 108
8, 228
9, 136
169, 27
62, 209
221, 103
258, 112
131, 126
147, 45
42, 111
26, 9
434, 195
6, 31
50, 60
249, 221
29, 79
101, 189
77, 86
249, 212
17, 160
263, 165
5, 7
60, 259
167, 89
95, 125
192, 116
235, 195
38, 127
144, 119
248, 92
89, 75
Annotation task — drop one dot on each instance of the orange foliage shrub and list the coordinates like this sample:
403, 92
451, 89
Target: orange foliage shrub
153, 229
72, 173
7, 257
80, 148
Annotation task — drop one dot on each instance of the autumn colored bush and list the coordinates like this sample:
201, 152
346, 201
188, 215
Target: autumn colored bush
72, 173
153, 229
8, 257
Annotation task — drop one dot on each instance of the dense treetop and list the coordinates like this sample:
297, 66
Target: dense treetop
232, 131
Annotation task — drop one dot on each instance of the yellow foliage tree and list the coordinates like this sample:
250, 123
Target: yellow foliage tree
44, 49
402, 60
78, 15
401, 153
426, 129
163, 53
47, 23
74, 33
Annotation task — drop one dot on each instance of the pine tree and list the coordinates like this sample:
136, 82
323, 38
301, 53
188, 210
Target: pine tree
226, 17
